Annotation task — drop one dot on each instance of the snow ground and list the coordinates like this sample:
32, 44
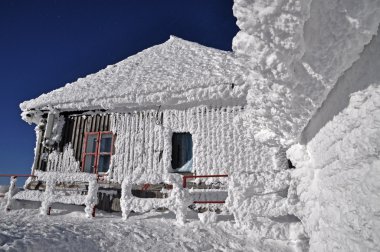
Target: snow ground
67, 229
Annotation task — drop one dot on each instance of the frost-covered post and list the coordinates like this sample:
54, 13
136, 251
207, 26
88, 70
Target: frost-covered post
48, 196
126, 195
181, 199
11, 192
92, 197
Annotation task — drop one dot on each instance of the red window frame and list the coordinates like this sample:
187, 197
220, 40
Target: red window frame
97, 152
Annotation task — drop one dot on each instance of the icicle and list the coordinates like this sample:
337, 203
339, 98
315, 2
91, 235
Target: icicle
235, 143
213, 138
132, 142
223, 134
150, 149
127, 145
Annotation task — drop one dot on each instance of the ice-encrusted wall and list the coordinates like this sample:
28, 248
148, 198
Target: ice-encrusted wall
297, 50
62, 161
335, 188
143, 142
364, 72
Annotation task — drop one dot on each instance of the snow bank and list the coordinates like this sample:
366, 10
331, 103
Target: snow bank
174, 72
67, 230
335, 188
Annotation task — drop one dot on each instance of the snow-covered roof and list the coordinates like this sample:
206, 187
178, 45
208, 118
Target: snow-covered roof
175, 72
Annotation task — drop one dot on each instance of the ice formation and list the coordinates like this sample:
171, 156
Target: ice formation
63, 161
336, 183
178, 201
298, 50
52, 194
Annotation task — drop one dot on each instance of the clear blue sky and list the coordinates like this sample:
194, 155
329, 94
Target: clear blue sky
46, 44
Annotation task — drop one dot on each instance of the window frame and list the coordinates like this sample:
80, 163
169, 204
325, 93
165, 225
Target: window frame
97, 152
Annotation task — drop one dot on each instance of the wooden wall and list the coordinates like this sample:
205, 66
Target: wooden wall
77, 125
73, 132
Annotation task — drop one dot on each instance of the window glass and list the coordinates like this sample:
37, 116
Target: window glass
106, 143
89, 163
97, 153
182, 151
104, 163
91, 143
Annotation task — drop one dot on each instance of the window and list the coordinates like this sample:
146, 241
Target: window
97, 151
182, 152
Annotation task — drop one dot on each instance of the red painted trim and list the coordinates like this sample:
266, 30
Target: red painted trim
145, 187
97, 152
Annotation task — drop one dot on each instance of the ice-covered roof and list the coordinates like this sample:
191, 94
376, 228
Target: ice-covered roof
174, 72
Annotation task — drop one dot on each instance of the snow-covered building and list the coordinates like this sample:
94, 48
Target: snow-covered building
168, 109
302, 83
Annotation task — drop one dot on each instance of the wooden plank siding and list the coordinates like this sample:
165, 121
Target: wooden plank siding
73, 132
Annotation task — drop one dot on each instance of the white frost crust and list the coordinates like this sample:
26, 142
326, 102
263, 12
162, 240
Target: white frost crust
92, 197
143, 143
174, 72
207, 217
51, 195
177, 202
335, 188
65, 176
63, 161
298, 49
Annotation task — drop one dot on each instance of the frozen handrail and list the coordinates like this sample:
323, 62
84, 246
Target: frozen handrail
184, 179
184, 184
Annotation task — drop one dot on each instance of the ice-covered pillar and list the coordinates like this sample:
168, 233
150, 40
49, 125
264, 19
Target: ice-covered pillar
181, 199
11, 192
92, 197
126, 196
48, 196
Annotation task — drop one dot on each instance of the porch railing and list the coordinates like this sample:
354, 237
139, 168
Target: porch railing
184, 184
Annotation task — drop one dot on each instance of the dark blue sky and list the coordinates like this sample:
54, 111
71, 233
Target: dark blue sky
46, 44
